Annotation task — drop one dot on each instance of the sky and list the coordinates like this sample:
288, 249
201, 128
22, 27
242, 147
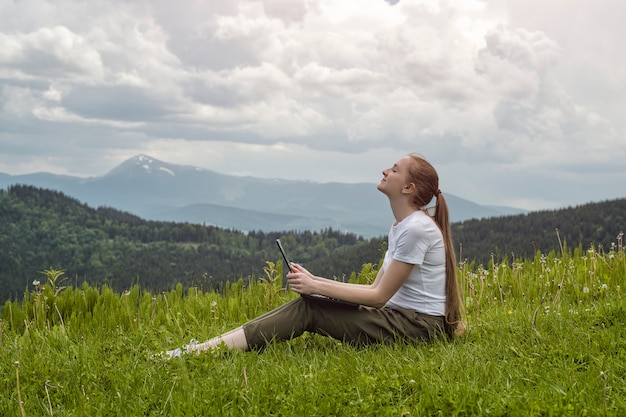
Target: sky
515, 102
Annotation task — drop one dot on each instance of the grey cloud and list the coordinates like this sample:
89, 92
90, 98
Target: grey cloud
50, 52
532, 51
532, 112
116, 102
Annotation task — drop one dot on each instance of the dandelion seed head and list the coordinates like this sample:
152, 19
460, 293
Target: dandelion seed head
586, 290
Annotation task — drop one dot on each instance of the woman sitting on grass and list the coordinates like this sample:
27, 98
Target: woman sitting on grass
415, 294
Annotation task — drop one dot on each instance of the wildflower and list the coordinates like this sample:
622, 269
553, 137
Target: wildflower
605, 287
36, 283
586, 290
510, 312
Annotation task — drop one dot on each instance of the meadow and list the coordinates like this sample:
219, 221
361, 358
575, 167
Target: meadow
546, 337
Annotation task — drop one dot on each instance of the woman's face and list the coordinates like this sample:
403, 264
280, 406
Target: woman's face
395, 178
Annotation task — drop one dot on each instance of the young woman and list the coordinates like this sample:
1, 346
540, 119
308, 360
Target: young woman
415, 294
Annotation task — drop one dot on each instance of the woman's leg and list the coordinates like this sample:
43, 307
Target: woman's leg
352, 324
234, 339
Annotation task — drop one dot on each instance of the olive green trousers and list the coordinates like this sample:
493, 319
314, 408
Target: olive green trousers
359, 325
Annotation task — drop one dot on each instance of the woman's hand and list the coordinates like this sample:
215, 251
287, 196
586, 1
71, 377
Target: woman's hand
301, 280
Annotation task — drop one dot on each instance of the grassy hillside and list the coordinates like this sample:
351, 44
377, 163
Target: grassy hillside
546, 338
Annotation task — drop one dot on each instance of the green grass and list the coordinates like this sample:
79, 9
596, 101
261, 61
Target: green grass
546, 337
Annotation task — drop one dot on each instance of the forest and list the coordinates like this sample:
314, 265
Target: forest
40, 229
521, 236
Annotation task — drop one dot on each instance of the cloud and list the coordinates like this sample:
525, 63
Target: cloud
52, 51
480, 81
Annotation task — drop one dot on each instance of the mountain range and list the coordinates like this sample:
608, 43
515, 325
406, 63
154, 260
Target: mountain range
157, 190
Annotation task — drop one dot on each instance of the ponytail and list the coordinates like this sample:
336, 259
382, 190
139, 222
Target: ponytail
426, 181
454, 325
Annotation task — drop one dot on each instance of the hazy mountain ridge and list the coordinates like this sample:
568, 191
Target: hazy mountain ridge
157, 190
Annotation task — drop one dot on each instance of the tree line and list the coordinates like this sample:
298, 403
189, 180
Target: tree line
600, 225
41, 228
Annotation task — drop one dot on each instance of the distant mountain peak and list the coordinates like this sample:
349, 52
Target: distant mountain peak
151, 165
141, 158
144, 165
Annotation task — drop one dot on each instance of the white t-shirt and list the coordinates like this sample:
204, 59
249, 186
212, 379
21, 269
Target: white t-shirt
418, 240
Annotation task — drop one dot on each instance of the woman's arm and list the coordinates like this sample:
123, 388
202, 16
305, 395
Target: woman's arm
377, 294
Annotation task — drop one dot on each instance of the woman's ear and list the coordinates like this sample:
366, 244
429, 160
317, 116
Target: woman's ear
409, 188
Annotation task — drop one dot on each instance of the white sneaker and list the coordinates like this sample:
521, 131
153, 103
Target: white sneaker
175, 353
